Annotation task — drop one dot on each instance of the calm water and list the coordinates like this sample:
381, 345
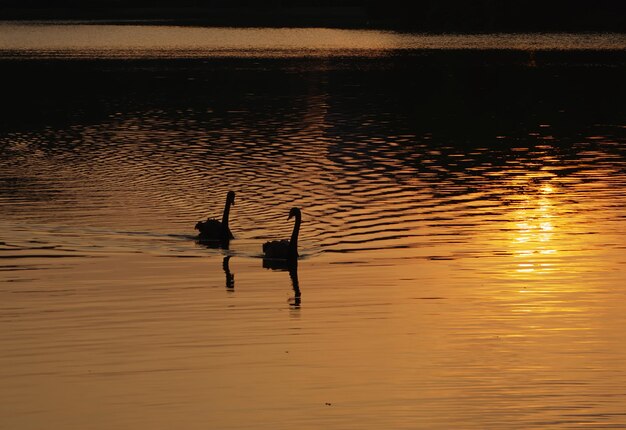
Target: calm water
137, 41
462, 245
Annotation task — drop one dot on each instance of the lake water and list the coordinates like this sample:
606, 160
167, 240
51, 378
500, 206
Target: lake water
463, 237
145, 41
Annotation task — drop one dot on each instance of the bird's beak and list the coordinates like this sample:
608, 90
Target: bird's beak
289, 217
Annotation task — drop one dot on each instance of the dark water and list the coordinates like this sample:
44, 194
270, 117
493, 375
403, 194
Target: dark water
462, 243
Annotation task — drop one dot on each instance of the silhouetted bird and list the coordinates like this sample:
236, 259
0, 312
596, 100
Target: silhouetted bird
285, 249
213, 230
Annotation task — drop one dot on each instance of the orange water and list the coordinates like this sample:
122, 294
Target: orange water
140, 41
452, 275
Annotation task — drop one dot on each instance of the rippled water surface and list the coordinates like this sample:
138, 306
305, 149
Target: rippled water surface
462, 243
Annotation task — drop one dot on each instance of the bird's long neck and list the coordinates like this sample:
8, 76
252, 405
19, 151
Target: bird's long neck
293, 243
226, 212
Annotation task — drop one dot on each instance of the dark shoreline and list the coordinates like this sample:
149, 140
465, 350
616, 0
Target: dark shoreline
335, 17
414, 18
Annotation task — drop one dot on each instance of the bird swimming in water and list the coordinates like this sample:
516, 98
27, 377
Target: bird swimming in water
214, 230
285, 249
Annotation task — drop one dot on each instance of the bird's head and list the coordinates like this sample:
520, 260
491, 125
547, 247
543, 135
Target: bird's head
294, 212
230, 197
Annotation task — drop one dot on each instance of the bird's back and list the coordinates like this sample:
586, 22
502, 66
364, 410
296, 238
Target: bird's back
210, 229
276, 249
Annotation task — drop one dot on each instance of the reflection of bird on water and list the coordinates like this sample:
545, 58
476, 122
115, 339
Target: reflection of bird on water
293, 274
292, 267
230, 278
283, 255
285, 249
213, 230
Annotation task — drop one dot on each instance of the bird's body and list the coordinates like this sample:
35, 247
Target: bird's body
285, 249
214, 230
276, 248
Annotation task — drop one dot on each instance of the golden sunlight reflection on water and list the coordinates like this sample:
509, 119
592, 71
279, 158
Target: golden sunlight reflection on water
458, 271
516, 319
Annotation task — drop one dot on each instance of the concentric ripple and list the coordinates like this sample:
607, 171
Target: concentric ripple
372, 168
